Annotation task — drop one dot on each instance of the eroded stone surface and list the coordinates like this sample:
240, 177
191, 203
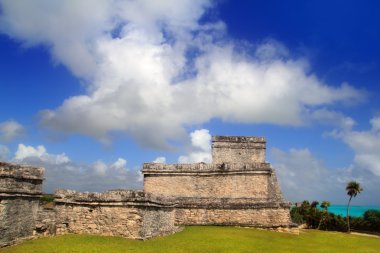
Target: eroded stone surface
20, 190
131, 214
45, 224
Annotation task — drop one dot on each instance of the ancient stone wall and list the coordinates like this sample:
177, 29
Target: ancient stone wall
236, 212
20, 191
131, 214
266, 217
238, 188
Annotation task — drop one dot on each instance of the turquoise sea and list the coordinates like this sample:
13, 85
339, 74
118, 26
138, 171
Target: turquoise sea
356, 211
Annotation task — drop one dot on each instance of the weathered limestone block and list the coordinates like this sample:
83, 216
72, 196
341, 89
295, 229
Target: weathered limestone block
20, 190
131, 214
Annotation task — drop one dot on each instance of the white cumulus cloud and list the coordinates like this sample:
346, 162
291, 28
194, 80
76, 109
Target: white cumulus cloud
151, 68
304, 177
160, 159
4, 152
200, 150
61, 172
201, 139
333, 118
24, 152
100, 168
365, 144
10, 130
119, 164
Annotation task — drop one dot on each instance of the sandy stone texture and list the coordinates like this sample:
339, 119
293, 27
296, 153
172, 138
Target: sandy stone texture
20, 190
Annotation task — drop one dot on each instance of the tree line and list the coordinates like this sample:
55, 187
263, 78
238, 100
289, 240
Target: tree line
320, 218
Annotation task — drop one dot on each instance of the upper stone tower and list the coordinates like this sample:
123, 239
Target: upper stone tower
238, 149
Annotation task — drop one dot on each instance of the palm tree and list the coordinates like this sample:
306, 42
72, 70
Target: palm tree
325, 205
353, 188
313, 213
325, 213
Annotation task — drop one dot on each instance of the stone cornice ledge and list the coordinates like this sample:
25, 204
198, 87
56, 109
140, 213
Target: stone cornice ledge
10, 170
111, 198
233, 203
13, 194
239, 139
203, 168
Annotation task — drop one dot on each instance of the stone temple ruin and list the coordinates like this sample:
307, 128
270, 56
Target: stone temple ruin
237, 188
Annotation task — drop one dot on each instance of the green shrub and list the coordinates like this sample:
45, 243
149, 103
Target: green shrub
306, 213
372, 218
296, 216
47, 198
335, 223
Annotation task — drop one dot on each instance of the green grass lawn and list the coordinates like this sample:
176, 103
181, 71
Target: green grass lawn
206, 239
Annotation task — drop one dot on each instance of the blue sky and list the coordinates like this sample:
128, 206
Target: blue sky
92, 95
